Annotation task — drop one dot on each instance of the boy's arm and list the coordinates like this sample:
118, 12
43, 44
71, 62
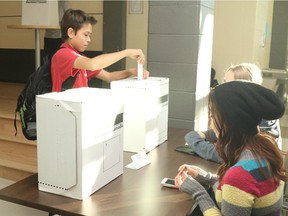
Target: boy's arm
105, 60
118, 75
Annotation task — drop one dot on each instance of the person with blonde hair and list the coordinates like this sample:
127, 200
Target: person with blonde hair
203, 142
244, 71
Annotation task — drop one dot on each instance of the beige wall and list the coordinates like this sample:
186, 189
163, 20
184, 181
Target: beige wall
262, 44
239, 33
11, 12
137, 31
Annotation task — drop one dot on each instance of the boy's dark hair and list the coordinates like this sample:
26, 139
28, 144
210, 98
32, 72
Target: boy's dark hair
74, 19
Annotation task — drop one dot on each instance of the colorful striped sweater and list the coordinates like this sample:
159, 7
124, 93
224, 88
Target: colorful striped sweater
243, 191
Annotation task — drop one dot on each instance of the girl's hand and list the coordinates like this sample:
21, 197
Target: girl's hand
180, 178
189, 169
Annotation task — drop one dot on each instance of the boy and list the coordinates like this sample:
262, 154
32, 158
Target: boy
76, 28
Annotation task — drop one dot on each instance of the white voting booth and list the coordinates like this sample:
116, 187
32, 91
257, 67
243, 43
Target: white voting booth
145, 111
40, 12
79, 140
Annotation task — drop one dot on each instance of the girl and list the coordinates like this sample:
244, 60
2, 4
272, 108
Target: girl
251, 178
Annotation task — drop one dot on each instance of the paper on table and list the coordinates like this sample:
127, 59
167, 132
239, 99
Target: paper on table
139, 160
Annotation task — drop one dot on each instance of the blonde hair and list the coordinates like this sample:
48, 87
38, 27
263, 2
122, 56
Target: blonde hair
246, 71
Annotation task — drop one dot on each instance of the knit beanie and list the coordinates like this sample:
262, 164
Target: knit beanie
244, 104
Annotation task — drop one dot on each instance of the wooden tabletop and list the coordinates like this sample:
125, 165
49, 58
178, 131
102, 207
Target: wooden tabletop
33, 26
136, 192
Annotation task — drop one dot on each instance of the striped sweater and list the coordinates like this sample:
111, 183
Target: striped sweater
243, 191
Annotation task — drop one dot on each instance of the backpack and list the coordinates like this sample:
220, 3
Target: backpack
39, 82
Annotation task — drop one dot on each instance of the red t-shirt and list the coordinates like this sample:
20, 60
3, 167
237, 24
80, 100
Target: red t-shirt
62, 68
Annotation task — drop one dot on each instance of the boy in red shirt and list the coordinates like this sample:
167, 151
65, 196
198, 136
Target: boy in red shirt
76, 28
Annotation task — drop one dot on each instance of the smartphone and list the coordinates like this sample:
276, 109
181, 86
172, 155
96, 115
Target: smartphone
168, 182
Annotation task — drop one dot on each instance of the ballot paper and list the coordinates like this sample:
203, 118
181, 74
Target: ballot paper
140, 71
139, 160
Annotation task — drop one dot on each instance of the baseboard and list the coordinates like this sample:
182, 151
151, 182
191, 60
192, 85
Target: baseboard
5, 182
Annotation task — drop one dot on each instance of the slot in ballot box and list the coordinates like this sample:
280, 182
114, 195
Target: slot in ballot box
145, 111
79, 140
40, 12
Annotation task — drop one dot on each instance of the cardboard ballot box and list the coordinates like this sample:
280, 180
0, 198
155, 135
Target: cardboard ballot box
40, 12
79, 140
145, 111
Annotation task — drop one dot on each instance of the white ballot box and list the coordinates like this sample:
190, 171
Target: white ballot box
40, 12
145, 111
79, 140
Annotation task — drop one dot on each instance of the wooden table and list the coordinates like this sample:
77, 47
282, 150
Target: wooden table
37, 29
136, 192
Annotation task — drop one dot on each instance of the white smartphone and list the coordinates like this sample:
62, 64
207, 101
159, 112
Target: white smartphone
168, 182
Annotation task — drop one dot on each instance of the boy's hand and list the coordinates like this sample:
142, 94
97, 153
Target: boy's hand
145, 74
133, 72
201, 134
137, 54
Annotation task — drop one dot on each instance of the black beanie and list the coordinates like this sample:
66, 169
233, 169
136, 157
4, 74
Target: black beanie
244, 104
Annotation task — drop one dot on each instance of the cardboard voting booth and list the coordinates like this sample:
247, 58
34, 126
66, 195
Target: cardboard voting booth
40, 12
79, 140
145, 111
